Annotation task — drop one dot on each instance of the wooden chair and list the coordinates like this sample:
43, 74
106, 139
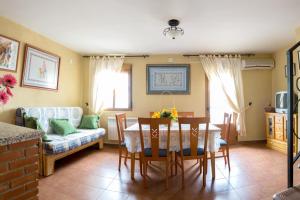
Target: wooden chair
123, 152
180, 114
154, 153
193, 152
224, 140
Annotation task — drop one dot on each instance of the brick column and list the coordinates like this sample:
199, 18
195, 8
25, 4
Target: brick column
19, 170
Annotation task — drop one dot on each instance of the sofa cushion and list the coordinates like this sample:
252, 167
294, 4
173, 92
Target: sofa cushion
89, 122
32, 122
62, 127
60, 144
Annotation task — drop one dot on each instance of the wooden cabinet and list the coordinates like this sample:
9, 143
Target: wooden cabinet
276, 131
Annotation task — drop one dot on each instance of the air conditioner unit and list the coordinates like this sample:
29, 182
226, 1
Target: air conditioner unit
251, 64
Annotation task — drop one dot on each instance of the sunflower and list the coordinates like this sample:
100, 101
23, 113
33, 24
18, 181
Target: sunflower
156, 115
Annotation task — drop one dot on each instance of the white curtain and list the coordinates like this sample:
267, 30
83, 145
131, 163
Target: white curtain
102, 76
226, 73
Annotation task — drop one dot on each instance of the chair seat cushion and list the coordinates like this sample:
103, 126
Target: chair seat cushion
187, 152
222, 142
161, 152
123, 144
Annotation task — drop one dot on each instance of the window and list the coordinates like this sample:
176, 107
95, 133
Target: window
119, 93
218, 103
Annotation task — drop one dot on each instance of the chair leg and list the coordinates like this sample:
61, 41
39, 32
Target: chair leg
227, 152
172, 164
145, 173
141, 166
146, 167
204, 165
126, 155
176, 160
200, 165
167, 173
120, 154
182, 173
223, 152
205, 171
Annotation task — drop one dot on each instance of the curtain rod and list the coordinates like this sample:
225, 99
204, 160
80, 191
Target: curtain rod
221, 54
129, 56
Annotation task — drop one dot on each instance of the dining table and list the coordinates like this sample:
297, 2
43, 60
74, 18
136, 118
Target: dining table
133, 142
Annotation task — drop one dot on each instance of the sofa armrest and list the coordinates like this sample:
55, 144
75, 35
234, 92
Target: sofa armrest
20, 112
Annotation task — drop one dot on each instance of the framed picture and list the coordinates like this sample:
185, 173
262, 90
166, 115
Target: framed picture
41, 69
168, 79
9, 53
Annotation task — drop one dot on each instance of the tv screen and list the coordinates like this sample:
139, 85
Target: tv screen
281, 100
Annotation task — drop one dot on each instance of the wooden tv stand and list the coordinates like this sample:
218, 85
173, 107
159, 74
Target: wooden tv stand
276, 131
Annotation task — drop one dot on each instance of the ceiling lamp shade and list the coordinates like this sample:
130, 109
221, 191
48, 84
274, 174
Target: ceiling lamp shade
173, 31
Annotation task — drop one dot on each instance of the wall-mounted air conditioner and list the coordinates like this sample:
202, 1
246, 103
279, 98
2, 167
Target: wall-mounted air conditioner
261, 63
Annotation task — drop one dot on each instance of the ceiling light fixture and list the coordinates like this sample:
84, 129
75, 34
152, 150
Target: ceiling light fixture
173, 31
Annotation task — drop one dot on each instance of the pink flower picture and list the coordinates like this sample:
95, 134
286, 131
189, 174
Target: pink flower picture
3, 97
9, 80
7, 83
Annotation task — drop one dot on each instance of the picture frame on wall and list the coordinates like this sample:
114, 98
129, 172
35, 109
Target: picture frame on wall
41, 69
168, 79
9, 53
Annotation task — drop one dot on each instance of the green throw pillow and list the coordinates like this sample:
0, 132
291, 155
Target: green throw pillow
32, 122
89, 122
62, 127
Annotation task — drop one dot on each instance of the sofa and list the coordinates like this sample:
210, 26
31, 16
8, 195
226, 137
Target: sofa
60, 146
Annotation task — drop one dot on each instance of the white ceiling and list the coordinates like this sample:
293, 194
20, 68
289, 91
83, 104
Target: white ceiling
135, 26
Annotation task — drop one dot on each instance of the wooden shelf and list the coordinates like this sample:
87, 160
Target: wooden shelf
276, 131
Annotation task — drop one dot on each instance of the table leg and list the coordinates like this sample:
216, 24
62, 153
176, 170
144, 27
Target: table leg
132, 165
213, 167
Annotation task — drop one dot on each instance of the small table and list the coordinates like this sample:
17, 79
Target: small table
133, 143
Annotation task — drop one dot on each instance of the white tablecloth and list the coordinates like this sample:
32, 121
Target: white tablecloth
133, 143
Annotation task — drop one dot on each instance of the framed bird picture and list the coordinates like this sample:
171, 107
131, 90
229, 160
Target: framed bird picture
41, 69
9, 53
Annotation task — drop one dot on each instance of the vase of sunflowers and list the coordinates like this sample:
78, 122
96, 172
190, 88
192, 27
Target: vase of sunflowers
168, 113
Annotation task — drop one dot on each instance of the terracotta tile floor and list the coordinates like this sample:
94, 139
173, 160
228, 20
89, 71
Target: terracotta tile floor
256, 173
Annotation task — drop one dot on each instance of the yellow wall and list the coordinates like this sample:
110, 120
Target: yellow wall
258, 92
70, 81
143, 103
279, 81
257, 89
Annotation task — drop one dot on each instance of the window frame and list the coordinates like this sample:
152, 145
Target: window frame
125, 68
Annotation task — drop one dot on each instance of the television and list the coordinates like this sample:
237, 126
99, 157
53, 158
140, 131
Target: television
281, 103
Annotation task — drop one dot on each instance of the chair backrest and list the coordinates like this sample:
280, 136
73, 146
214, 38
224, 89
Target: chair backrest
194, 123
180, 114
121, 125
226, 126
154, 134
185, 114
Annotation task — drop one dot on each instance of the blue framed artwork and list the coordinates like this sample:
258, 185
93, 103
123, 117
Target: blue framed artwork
168, 79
